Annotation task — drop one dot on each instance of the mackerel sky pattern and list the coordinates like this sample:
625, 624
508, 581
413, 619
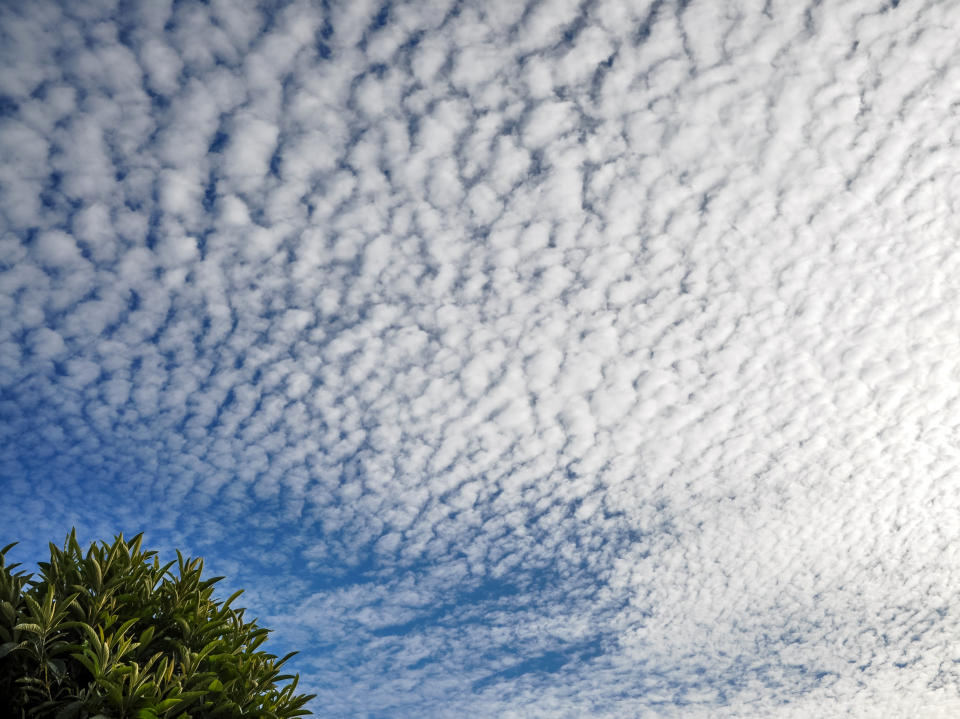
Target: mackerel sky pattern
521, 359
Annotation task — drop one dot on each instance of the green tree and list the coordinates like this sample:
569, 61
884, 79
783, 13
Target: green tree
113, 634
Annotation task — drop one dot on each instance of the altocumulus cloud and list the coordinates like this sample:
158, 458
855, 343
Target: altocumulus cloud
540, 359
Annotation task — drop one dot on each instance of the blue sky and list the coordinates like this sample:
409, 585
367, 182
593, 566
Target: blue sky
520, 359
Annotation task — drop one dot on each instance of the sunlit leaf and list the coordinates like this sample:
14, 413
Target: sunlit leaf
203, 656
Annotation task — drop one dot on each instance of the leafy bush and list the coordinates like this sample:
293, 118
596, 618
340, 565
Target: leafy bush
113, 634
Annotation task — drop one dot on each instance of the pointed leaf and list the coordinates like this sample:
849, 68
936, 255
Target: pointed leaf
8, 647
146, 635
285, 658
230, 599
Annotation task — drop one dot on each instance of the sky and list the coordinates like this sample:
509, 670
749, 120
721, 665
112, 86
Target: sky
559, 358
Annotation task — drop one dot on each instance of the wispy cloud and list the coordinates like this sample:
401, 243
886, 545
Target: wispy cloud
545, 359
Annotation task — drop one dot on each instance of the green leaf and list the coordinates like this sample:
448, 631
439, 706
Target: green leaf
113, 691
89, 661
30, 680
71, 710
285, 659
57, 667
8, 611
204, 656
125, 626
94, 568
229, 600
146, 635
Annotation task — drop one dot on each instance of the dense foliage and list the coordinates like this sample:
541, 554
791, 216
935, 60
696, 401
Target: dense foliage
114, 634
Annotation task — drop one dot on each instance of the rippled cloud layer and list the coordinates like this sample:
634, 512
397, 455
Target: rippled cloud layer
550, 359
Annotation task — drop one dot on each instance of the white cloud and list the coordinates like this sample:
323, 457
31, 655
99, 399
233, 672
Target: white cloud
548, 121
46, 343
57, 249
601, 352
247, 160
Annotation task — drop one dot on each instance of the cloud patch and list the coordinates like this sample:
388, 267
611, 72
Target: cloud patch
521, 360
